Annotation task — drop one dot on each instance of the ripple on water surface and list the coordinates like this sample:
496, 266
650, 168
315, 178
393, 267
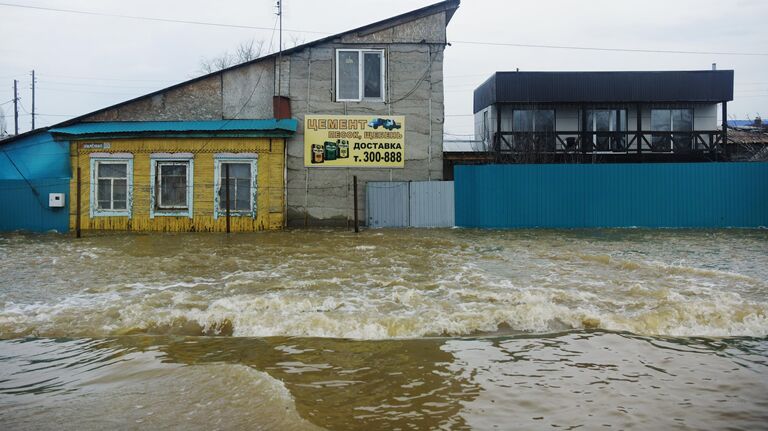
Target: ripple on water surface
386, 284
572, 380
436, 329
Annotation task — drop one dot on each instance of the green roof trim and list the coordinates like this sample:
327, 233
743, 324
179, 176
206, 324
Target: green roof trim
216, 128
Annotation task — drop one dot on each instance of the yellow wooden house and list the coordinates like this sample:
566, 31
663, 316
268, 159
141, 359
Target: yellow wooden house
175, 175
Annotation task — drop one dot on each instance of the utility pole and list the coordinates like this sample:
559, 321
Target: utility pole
15, 107
280, 48
33, 100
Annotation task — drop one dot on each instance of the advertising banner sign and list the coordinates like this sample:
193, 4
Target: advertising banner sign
356, 141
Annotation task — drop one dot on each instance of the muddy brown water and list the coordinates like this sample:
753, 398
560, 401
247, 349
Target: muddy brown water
388, 329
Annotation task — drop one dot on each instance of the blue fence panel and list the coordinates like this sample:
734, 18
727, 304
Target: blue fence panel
22, 209
684, 195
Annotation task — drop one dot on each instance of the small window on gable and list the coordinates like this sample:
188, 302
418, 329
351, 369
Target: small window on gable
359, 75
111, 185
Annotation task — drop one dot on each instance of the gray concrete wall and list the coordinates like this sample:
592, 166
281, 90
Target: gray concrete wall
199, 100
414, 89
247, 91
323, 196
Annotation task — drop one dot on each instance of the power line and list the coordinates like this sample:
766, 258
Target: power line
74, 90
146, 18
107, 79
255, 86
89, 84
34, 191
58, 115
23, 107
467, 42
592, 48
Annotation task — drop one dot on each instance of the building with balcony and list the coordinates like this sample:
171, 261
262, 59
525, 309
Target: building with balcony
589, 117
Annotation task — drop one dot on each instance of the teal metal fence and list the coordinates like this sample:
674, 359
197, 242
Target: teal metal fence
674, 195
32, 165
24, 205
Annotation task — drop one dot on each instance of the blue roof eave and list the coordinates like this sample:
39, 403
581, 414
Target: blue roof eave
270, 126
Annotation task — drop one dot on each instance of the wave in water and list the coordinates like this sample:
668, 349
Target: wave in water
395, 311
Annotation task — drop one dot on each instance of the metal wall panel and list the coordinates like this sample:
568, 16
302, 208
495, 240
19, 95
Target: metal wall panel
22, 209
675, 195
410, 204
386, 204
33, 156
431, 204
706, 86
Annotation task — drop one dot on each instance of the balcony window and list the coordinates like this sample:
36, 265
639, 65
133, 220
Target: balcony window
669, 121
604, 125
534, 129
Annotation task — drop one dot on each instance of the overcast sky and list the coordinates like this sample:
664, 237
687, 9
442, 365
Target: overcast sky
86, 62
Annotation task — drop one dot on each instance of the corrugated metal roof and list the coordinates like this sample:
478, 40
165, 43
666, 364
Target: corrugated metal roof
712, 86
116, 127
740, 123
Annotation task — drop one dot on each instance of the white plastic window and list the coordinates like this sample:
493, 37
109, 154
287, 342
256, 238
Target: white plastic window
239, 186
111, 186
359, 75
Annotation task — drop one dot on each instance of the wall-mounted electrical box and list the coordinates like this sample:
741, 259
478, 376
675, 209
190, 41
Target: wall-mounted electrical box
56, 200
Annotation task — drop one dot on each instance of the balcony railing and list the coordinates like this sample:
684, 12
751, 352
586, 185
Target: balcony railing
610, 142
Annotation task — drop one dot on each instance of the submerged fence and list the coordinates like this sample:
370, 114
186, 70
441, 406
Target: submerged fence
676, 195
410, 204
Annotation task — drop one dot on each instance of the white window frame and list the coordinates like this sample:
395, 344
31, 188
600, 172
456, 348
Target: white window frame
111, 158
361, 77
157, 159
220, 159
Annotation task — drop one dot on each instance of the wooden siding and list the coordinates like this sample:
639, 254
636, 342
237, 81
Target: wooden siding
270, 197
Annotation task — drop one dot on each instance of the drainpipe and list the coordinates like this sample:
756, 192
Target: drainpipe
725, 131
429, 147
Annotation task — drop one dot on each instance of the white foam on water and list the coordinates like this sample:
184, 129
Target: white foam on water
455, 292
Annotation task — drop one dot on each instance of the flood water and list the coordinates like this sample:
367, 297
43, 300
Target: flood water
388, 329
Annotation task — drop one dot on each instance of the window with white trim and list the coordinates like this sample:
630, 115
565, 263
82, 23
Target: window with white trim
171, 185
360, 75
243, 175
111, 184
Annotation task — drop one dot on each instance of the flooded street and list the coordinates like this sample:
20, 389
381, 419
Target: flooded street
389, 329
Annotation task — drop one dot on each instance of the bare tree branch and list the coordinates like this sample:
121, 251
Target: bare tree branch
245, 51
3, 126
296, 40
